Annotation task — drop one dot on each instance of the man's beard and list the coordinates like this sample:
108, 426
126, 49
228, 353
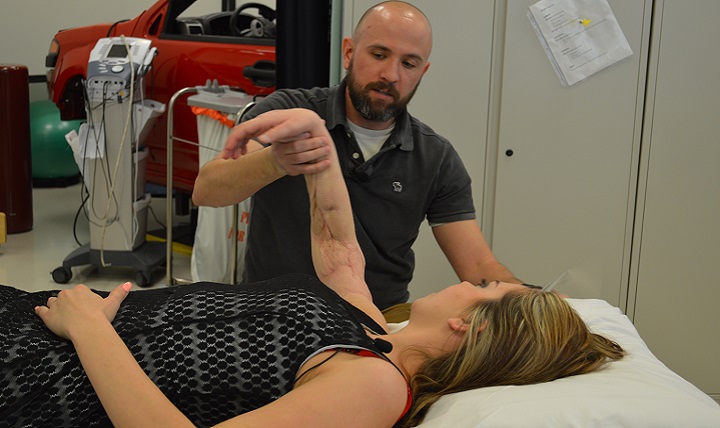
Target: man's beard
376, 110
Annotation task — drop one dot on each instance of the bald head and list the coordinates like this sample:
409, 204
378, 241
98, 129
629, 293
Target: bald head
386, 59
395, 15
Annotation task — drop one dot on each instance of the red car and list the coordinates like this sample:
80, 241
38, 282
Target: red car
195, 42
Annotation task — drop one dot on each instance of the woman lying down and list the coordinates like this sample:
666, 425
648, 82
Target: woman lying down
292, 351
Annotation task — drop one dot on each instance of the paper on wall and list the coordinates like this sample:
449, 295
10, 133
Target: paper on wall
580, 37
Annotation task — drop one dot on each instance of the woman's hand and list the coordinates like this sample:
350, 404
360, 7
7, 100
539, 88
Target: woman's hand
79, 306
300, 142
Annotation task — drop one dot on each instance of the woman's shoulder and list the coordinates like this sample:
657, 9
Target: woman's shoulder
373, 384
348, 390
361, 367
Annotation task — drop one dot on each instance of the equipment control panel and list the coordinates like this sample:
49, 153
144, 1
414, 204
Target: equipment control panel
112, 63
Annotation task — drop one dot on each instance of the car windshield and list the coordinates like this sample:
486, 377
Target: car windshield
202, 19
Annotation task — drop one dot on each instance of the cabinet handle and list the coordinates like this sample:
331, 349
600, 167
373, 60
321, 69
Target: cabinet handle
509, 152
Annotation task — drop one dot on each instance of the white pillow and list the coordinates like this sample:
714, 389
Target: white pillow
638, 391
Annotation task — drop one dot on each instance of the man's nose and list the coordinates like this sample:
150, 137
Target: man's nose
390, 72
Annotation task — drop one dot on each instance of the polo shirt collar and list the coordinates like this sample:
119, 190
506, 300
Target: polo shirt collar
336, 115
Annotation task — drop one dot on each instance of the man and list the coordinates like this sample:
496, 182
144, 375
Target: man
398, 171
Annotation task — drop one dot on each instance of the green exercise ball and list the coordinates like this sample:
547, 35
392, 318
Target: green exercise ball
52, 157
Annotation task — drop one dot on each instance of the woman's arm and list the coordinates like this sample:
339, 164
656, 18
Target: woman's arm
349, 391
129, 397
337, 257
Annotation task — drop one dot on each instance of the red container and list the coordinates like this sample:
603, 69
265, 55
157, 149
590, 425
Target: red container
15, 148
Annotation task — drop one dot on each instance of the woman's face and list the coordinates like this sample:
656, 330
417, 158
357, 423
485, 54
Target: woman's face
452, 301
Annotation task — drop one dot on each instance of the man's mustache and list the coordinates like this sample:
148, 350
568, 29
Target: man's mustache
383, 87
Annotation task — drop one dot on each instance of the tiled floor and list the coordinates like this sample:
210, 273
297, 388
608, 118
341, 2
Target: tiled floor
27, 259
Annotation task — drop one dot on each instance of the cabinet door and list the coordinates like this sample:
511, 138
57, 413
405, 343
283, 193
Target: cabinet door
453, 100
566, 161
677, 308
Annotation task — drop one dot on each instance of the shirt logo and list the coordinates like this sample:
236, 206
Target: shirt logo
397, 187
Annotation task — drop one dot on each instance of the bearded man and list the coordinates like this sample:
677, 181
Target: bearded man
398, 171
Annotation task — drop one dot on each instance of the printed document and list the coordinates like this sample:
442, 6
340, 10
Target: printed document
580, 37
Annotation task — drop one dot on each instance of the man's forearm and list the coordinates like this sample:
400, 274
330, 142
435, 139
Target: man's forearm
223, 182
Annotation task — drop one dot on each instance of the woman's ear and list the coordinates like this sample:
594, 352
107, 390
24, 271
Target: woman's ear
459, 325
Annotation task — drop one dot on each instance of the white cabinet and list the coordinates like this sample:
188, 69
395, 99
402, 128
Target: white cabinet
564, 194
676, 250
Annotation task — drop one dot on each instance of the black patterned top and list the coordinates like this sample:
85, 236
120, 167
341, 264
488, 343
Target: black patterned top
216, 351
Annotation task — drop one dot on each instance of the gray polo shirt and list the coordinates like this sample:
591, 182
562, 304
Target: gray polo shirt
416, 175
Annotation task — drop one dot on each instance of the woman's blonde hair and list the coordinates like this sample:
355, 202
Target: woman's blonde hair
525, 338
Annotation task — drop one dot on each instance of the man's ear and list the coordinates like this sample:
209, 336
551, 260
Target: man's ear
347, 51
459, 325
425, 68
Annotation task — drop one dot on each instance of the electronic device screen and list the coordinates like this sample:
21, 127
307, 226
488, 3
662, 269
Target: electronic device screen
117, 51
109, 69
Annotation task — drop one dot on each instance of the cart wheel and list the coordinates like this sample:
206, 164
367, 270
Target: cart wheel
142, 279
61, 275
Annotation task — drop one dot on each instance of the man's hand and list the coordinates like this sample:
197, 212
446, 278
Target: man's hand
298, 138
302, 156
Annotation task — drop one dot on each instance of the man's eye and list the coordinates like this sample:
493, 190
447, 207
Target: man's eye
483, 283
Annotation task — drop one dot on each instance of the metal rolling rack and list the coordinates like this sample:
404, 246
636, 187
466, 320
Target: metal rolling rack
171, 280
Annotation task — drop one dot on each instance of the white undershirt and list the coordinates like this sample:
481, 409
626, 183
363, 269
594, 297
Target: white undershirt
369, 140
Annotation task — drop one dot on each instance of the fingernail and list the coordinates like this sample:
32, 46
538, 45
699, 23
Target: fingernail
127, 286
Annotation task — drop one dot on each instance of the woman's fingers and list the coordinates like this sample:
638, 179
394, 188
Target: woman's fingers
273, 126
119, 293
41, 311
114, 299
284, 125
79, 306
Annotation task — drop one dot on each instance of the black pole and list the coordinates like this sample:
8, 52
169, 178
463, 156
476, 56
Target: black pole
302, 46
228, 5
